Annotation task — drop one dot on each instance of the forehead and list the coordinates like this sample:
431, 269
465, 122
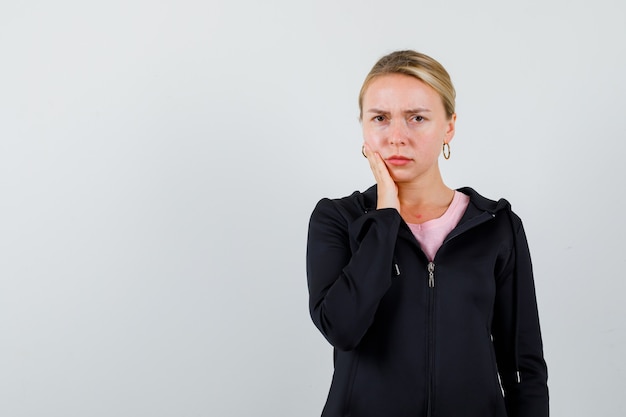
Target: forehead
399, 91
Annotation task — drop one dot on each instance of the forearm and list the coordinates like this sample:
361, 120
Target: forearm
349, 272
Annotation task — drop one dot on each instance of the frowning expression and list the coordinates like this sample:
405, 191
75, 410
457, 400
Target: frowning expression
404, 120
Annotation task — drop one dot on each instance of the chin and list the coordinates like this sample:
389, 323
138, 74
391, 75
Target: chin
405, 176
399, 179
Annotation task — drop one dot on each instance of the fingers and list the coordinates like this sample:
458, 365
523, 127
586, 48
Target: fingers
387, 189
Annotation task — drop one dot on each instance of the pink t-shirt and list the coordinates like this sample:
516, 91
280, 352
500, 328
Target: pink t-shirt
432, 233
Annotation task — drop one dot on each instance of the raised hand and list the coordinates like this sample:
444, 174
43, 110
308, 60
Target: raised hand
387, 188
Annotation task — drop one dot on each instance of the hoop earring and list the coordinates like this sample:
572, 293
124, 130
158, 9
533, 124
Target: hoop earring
446, 150
363, 151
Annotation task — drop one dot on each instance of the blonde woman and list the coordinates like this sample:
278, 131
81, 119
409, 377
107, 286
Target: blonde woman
426, 293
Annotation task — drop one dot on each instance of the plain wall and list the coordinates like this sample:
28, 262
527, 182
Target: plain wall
159, 161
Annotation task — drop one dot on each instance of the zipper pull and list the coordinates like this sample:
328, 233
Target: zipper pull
431, 274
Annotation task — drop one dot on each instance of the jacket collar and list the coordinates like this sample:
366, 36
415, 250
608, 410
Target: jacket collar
481, 204
369, 198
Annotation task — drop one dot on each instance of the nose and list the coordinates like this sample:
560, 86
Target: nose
398, 132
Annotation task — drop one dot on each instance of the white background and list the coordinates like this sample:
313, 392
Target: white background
159, 161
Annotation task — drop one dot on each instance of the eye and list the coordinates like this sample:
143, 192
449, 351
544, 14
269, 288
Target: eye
418, 118
379, 118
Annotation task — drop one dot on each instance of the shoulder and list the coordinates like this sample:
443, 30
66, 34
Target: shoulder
349, 206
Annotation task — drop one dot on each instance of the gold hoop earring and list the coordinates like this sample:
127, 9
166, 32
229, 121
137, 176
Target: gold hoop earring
363, 151
446, 150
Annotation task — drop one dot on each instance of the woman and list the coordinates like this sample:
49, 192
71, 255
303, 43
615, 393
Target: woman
426, 293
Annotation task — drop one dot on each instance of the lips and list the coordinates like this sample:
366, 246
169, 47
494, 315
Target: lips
398, 160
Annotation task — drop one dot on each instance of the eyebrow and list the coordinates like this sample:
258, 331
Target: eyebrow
410, 111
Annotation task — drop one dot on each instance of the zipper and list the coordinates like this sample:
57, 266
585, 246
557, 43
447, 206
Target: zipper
431, 306
431, 336
431, 275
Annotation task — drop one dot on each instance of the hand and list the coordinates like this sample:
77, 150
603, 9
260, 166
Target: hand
387, 188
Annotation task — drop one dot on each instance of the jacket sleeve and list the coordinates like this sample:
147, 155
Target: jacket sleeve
349, 269
517, 335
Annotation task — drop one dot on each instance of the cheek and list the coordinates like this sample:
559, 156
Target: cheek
372, 137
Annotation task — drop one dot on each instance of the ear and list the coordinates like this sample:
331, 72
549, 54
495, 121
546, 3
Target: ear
450, 128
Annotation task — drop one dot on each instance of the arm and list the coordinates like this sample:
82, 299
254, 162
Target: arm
349, 269
517, 334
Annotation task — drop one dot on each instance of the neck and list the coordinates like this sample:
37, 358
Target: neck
425, 192
424, 200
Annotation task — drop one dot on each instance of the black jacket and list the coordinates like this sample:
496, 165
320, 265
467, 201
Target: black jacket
418, 338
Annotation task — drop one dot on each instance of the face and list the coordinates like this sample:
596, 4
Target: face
404, 120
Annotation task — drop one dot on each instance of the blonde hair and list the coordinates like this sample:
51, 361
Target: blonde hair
417, 65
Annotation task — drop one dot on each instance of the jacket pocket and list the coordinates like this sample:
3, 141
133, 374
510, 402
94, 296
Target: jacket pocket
494, 368
498, 393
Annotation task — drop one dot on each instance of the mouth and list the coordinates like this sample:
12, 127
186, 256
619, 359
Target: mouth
398, 160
